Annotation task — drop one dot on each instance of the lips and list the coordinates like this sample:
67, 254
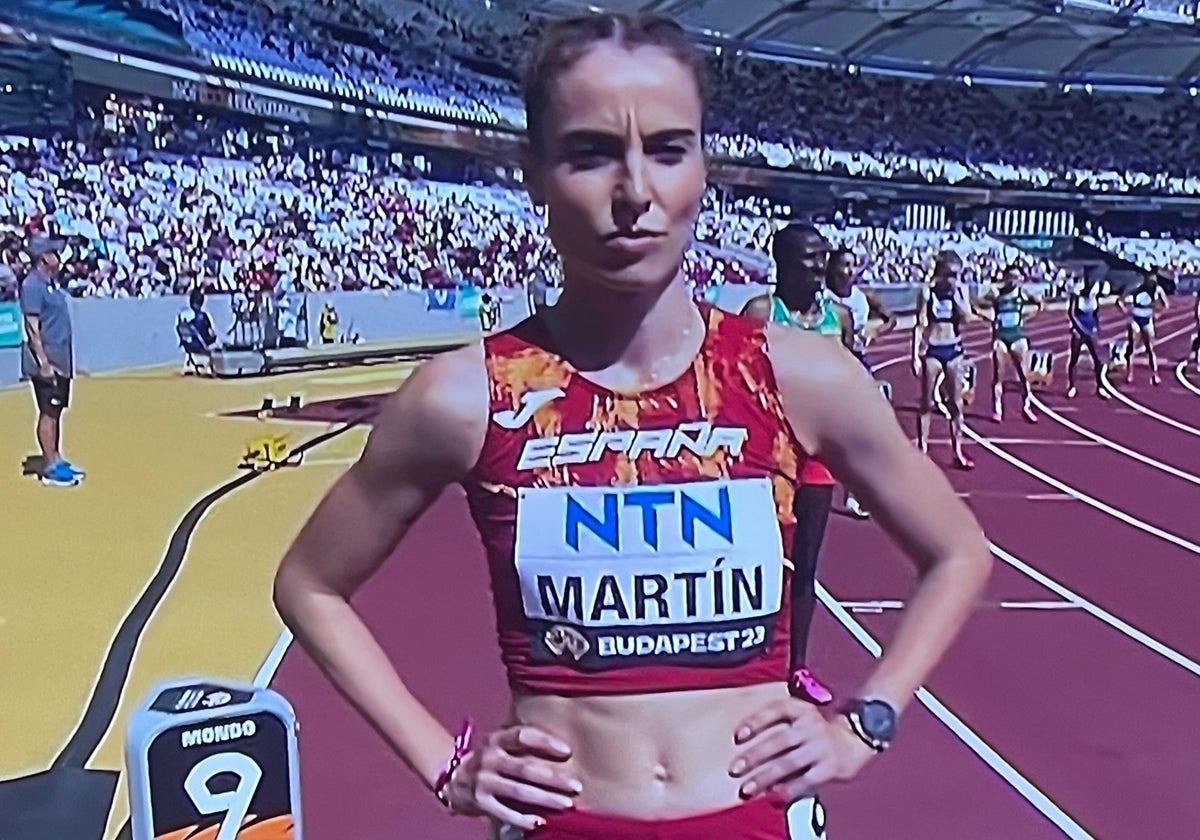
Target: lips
631, 235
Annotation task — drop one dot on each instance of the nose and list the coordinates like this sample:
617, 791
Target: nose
631, 199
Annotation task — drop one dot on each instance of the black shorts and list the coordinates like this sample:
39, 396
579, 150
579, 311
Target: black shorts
52, 393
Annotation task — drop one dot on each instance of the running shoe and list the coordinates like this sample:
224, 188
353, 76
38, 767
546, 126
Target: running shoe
1071, 392
1103, 394
804, 684
1155, 379
963, 462
59, 474
1027, 413
78, 473
855, 509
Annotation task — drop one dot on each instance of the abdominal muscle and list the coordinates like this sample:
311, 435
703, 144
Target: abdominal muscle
651, 756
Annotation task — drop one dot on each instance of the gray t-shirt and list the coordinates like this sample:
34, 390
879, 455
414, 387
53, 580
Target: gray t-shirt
48, 300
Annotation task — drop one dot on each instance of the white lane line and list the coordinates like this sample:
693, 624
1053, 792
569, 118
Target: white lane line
880, 606
1149, 412
1183, 380
1188, 545
266, 671
1027, 789
1141, 409
1098, 611
1112, 444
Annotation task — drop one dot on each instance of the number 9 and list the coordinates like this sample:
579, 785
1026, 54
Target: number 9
235, 804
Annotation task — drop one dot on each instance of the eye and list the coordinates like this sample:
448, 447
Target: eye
672, 153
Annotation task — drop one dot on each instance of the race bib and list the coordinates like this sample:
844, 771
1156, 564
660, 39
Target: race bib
674, 574
942, 308
1008, 319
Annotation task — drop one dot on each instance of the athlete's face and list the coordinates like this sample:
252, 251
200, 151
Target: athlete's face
1010, 278
947, 271
622, 169
841, 271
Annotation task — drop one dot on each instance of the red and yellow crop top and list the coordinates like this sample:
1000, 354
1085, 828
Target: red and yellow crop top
637, 543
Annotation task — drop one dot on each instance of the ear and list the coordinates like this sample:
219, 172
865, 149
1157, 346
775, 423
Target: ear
531, 167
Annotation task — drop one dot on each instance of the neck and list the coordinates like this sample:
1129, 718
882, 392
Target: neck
595, 328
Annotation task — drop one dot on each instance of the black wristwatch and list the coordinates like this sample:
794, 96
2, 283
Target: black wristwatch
873, 721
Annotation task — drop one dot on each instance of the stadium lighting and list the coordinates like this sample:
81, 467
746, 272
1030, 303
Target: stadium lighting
967, 81
1193, 91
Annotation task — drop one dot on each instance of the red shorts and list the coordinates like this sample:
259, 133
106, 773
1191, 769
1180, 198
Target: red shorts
814, 472
761, 818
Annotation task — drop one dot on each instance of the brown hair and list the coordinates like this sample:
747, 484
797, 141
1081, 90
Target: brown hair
564, 42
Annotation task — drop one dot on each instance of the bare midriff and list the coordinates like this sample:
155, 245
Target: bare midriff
651, 756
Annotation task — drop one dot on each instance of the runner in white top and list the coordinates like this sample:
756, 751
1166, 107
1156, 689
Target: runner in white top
1142, 303
841, 275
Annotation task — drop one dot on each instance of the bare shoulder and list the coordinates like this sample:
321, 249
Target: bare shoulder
437, 418
808, 363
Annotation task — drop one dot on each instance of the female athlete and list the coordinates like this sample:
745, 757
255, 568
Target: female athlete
942, 309
1083, 310
863, 306
629, 458
1009, 342
1142, 303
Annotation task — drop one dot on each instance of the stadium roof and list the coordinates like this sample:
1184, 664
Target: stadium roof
1117, 43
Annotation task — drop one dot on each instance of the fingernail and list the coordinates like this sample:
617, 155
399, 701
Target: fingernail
576, 786
538, 822
560, 746
738, 767
749, 788
743, 733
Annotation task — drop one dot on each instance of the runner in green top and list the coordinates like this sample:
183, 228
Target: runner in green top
1007, 302
800, 299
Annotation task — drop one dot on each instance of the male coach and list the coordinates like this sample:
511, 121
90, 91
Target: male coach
46, 358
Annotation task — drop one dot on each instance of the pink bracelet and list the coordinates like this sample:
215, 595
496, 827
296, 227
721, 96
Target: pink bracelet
462, 744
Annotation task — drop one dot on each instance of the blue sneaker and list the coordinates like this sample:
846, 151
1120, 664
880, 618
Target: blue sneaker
78, 473
59, 474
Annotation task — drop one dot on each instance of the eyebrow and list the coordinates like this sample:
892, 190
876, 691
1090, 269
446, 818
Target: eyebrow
591, 135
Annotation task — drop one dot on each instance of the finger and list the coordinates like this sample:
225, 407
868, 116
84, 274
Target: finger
770, 715
529, 740
488, 805
785, 712
785, 768
535, 771
765, 749
504, 789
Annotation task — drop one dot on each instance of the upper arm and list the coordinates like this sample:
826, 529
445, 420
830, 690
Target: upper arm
428, 435
922, 308
858, 437
33, 296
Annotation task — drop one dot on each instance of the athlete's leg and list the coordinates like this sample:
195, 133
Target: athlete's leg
1148, 343
811, 507
1092, 343
999, 351
931, 371
1131, 353
1073, 360
954, 403
1018, 354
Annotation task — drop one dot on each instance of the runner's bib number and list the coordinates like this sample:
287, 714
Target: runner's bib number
1009, 319
684, 573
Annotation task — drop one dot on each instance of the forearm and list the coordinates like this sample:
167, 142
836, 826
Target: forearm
36, 347
333, 634
933, 617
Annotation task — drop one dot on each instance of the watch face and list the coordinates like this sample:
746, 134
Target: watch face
878, 720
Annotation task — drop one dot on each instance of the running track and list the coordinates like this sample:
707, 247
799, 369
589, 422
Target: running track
1067, 713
